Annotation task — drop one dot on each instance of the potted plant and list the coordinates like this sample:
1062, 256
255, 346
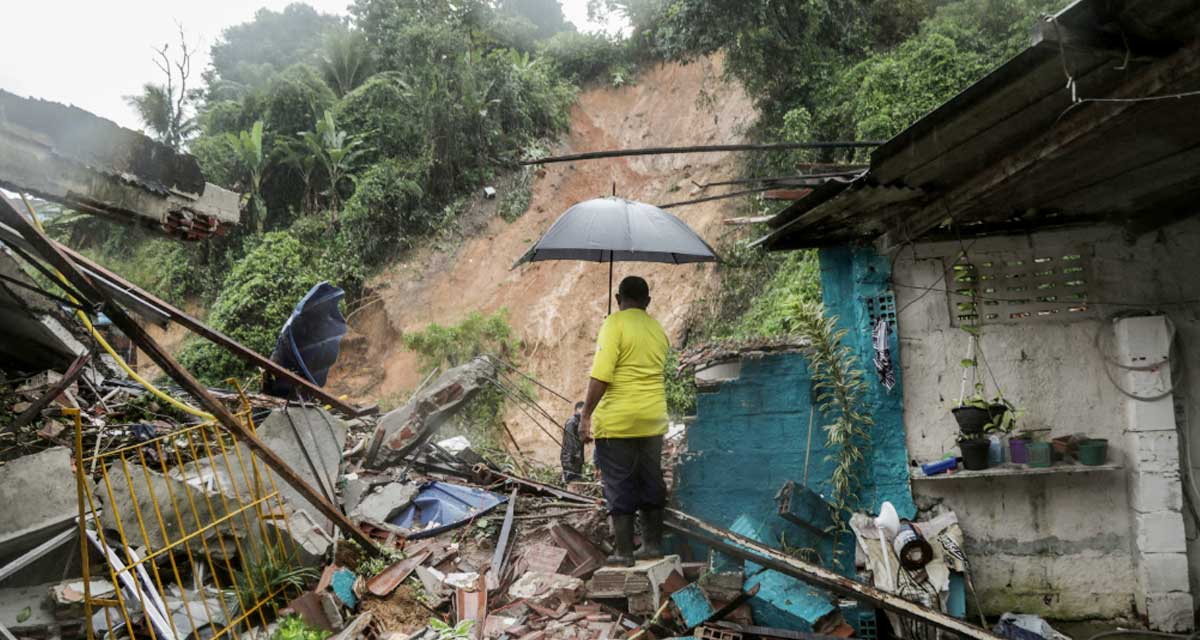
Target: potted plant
1001, 423
974, 450
973, 413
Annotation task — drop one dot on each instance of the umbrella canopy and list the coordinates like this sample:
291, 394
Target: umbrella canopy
615, 229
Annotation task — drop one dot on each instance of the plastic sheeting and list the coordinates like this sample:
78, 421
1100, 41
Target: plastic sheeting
310, 340
442, 506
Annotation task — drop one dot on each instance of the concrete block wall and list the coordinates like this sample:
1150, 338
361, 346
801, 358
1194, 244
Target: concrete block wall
1155, 489
750, 436
1099, 545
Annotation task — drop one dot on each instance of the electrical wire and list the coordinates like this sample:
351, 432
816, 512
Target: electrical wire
99, 338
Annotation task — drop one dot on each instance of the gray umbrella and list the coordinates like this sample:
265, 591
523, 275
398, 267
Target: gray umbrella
612, 229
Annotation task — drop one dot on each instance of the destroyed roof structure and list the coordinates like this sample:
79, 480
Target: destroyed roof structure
1025, 249
67, 155
1058, 136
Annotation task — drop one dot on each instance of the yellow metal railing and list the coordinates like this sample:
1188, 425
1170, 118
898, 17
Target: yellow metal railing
189, 528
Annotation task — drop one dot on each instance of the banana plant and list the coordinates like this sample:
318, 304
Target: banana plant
253, 161
336, 152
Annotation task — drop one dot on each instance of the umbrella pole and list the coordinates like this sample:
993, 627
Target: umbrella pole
610, 272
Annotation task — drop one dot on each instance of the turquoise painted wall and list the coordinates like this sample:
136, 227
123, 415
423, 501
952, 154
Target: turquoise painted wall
749, 438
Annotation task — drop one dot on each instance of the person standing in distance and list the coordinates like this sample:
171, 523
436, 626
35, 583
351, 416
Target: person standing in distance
571, 455
625, 412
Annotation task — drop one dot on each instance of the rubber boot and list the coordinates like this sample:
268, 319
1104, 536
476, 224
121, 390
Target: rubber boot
652, 533
623, 541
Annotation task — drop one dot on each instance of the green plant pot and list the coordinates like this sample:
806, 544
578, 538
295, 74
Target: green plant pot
1093, 452
1039, 454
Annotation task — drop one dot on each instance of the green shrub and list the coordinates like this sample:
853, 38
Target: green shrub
680, 387
583, 57
255, 300
382, 109
518, 192
387, 211
440, 345
296, 98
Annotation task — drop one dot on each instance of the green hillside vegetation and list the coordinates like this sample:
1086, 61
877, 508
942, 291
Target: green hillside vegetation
357, 139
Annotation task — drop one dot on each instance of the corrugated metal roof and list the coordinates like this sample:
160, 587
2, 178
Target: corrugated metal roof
1012, 152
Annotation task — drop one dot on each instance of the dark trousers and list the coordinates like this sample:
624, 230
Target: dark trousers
631, 473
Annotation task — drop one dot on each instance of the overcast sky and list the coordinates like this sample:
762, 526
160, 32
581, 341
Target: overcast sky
92, 53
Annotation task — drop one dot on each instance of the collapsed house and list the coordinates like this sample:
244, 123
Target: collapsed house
1035, 235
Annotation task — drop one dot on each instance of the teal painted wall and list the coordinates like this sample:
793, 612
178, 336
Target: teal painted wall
749, 438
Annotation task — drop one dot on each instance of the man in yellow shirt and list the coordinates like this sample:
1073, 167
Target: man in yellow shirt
626, 413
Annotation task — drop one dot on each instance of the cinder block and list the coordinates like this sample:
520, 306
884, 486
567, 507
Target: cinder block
1142, 415
1160, 532
1156, 451
1154, 491
1162, 572
1171, 612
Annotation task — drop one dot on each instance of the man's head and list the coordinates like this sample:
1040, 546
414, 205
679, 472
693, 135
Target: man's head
633, 293
578, 407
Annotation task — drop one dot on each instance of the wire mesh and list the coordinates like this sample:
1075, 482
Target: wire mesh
190, 529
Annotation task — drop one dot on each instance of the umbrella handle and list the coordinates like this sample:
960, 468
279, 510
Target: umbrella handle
610, 276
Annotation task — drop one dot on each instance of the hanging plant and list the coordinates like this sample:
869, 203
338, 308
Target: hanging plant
838, 384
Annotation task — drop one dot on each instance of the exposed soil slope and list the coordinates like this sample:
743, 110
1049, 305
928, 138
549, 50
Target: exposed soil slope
557, 307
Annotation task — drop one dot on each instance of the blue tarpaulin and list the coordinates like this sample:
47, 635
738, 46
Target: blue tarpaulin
448, 505
310, 340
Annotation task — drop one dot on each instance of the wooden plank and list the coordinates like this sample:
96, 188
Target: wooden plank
1015, 471
196, 326
747, 549
787, 195
48, 250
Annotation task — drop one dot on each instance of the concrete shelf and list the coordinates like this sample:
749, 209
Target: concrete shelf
1009, 469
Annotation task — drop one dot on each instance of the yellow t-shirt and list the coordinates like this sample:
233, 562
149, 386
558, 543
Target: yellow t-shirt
631, 353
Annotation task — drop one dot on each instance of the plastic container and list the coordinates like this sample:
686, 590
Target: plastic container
941, 466
1093, 452
1040, 454
995, 451
1018, 450
974, 454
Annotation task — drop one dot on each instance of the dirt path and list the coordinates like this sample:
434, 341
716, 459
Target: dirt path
557, 307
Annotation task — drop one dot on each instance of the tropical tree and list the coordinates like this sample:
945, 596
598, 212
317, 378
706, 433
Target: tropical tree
346, 61
336, 152
253, 162
163, 108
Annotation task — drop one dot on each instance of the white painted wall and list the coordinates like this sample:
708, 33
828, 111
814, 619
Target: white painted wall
1060, 546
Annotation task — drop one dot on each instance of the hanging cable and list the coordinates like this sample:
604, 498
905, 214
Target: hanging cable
99, 338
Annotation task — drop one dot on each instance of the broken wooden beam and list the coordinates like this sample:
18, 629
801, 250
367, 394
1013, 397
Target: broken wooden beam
816, 575
239, 350
72, 374
49, 251
787, 195
743, 220
705, 148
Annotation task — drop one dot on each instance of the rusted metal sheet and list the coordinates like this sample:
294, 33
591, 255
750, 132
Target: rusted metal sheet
586, 556
747, 549
386, 582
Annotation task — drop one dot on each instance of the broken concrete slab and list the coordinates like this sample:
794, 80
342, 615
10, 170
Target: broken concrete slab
135, 493
37, 499
547, 589
401, 431
385, 502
